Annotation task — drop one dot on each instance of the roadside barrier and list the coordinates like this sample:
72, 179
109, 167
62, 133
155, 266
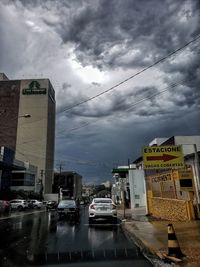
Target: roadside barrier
173, 245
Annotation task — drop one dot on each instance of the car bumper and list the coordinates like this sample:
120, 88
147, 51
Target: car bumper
67, 212
102, 215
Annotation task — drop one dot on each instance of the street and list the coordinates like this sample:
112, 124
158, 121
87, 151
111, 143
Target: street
38, 238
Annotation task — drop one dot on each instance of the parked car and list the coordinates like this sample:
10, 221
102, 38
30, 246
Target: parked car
36, 203
102, 208
68, 207
51, 204
30, 204
19, 204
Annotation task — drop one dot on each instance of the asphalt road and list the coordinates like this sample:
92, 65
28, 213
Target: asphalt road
38, 238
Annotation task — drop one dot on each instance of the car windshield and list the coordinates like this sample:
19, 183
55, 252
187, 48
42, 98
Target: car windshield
67, 202
99, 133
102, 201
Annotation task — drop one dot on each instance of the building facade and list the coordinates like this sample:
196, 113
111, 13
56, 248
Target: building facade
174, 194
70, 184
27, 109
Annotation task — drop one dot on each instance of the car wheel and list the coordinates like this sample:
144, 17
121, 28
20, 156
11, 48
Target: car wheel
20, 208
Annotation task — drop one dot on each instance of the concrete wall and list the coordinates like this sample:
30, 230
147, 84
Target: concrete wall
187, 143
137, 188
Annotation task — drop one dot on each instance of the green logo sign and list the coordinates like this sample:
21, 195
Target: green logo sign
34, 89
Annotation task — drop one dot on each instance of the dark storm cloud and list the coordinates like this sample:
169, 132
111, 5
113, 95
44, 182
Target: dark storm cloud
115, 103
115, 36
187, 68
128, 33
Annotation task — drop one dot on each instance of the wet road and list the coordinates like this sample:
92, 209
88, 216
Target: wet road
38, 238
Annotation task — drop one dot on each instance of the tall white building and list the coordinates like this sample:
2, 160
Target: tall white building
35, 136
28, 115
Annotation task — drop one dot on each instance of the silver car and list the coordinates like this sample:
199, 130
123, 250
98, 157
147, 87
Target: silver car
102, 208
36, 203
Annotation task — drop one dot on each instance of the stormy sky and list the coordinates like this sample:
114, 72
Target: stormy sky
93, 52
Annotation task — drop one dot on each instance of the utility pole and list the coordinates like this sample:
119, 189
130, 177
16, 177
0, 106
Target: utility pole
59, 180
41, 183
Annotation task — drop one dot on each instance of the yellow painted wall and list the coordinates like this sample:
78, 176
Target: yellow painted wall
172, 209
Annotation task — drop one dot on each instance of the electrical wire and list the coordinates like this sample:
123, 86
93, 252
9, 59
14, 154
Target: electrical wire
132, 105
134, 75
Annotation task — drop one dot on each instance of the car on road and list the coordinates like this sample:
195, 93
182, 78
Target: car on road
30, 204
102, 208
51, 205
36, 203
18, 204
68, 207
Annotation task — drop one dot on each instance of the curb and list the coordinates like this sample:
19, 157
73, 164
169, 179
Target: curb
145, 248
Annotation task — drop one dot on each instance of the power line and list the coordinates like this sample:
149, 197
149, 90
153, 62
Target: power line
134, 104
134, 75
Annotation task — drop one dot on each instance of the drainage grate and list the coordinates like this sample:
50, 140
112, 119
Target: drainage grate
86, 255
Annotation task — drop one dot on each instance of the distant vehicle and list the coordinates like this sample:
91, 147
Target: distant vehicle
68, 207
102, 208
36, 203
51, 204
19, 204
30, 204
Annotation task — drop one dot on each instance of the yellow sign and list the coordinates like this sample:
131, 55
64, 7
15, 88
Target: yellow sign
163, 177
185, 178
163, 157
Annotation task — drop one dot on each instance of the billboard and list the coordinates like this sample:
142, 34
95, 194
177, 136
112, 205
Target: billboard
163, 157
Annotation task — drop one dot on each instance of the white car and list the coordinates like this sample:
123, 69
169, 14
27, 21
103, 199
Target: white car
36, 203
102, 208
19, 204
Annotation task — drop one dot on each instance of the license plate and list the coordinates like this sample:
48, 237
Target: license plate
103, 208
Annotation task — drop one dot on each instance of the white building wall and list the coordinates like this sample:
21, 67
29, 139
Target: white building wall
137, 188
188, 143
158, 141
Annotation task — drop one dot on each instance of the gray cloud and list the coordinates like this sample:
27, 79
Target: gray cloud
132, 33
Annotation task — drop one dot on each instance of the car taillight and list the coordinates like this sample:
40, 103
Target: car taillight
113, 207
92, 207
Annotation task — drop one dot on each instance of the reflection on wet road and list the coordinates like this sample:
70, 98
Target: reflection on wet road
41, 238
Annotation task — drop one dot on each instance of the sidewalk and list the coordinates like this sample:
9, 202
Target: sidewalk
152, 236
